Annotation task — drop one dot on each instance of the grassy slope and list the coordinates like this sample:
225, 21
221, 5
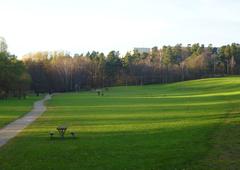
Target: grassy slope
13, 108
180, 125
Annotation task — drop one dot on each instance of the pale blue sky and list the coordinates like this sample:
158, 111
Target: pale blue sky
104, 25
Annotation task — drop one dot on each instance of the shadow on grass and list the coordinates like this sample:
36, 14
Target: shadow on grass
171, 148
155, 149
225, 151
59, 138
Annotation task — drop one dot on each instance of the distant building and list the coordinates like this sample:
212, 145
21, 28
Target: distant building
143, 50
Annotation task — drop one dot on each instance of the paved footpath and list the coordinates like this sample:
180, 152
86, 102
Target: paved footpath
11, 130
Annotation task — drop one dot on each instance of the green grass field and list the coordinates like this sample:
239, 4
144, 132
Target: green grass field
187, 125
14, 108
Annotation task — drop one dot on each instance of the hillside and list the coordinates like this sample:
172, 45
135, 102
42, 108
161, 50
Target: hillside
187, 125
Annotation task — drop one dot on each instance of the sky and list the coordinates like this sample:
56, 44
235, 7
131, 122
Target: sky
79, 26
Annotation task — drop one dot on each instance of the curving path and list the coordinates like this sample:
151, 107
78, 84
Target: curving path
12, 129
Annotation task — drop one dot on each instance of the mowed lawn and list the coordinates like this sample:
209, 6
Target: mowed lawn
13, 108
187, 125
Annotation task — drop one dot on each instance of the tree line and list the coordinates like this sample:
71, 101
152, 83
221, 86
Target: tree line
14, 77
61, 72
50, 72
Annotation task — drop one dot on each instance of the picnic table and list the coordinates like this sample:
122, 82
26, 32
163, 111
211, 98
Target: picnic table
62, 130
